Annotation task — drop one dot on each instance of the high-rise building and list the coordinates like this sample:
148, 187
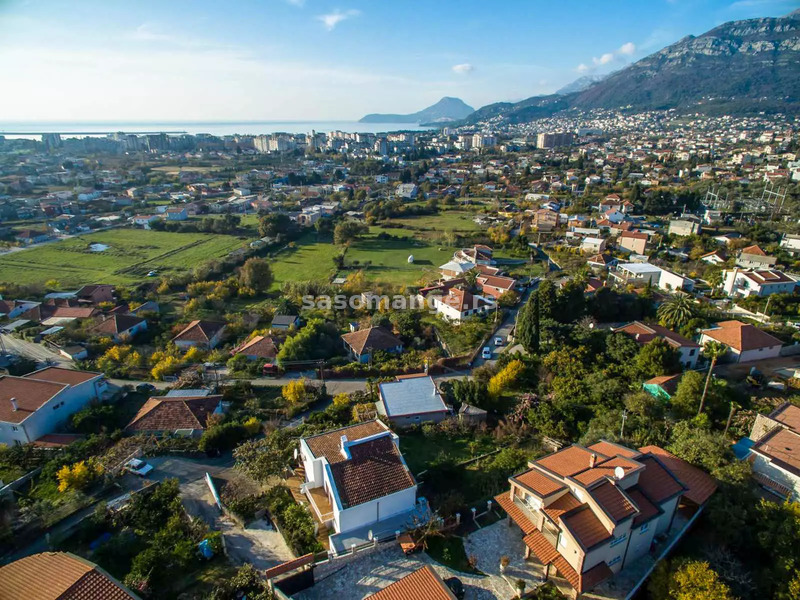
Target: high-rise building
554, 140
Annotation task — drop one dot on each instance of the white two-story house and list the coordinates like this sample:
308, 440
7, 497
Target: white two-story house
357, 483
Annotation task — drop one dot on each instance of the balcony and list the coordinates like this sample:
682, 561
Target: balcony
320, 503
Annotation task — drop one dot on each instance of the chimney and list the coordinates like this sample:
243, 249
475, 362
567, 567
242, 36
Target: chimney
343, 441
14, 406
592, 460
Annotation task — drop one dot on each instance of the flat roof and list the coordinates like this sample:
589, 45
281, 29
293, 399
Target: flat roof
412, 396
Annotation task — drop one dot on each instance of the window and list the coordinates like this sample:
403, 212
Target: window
691, 352
618, 540
644, 527
561, 541
14, 428
614, 561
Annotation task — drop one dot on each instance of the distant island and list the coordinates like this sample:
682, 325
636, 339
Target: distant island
445, 110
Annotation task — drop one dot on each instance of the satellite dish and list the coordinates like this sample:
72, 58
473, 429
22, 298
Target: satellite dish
619, 472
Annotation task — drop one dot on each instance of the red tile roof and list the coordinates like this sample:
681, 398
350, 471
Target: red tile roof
782, 448
61, 375
572, 459
788, 414
422, 584
30, 395
375, 469
164, 413
329, 444
647, 510
606, 468
701, 485
373, 338
58, 576
199, 331
261, 346
612, 449
645, 333
564, 504
515, 513
537, 482
117, 324
613, 501
585, 527
741, 336
539, 545
657, 482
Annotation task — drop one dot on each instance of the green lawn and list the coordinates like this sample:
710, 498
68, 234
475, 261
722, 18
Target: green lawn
131, 254
421, 451
388, 259
309, 260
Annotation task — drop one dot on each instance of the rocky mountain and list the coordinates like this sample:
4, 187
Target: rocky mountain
737, 68
445, 110
580, 84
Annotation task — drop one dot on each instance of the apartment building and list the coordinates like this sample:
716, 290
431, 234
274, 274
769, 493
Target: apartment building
588, 513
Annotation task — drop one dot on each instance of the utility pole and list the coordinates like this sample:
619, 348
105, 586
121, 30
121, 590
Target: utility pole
622, 427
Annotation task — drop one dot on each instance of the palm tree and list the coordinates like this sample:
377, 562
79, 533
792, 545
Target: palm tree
714, 351
676, 312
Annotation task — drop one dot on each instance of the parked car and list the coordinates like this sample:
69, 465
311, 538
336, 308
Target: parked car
145, 388
498, 341
138, 467
487, 352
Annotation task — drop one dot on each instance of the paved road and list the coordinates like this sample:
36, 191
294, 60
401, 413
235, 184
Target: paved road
503, 331
37, 352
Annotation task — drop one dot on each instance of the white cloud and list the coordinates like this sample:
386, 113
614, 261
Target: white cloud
331, 20
463, 68
147, 32
604, 59
627, 49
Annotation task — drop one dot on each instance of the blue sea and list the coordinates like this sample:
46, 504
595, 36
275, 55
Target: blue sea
34, 130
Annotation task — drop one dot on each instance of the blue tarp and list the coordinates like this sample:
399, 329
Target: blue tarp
205, 549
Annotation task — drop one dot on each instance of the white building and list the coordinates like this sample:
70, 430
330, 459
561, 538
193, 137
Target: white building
358, 483
411, 400
41, 402
737, 282
651, 274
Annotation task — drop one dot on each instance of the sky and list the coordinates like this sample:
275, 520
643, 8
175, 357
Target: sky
206, 60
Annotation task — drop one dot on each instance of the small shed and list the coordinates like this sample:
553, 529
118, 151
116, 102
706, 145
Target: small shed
471, 414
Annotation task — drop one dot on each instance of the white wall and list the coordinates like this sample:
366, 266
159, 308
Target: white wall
765, 467
49, 419
375, 511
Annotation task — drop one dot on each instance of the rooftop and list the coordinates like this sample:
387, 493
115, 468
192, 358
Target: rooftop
165, 413
741, 336
372, 338
411, 396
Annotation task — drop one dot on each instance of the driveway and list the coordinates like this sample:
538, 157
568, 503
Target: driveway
363, 575
258, 543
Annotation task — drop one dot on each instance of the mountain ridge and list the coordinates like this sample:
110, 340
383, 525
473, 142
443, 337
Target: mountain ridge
739, 67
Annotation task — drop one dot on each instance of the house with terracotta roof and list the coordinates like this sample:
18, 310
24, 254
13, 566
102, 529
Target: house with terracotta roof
411, 400
363, 343
753, 257
601, 261
260, 347
633, 241
59, 576
459, 304
96, 293
495, 286
200, 334
761, 283
479, 254
745, 342
775, 451
454, 269
422, 584
40, 403
643, 334
181, 415
587, 513
357, 483
120, 327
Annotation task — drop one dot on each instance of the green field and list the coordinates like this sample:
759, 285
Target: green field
132, 253
307, 261
388, 259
